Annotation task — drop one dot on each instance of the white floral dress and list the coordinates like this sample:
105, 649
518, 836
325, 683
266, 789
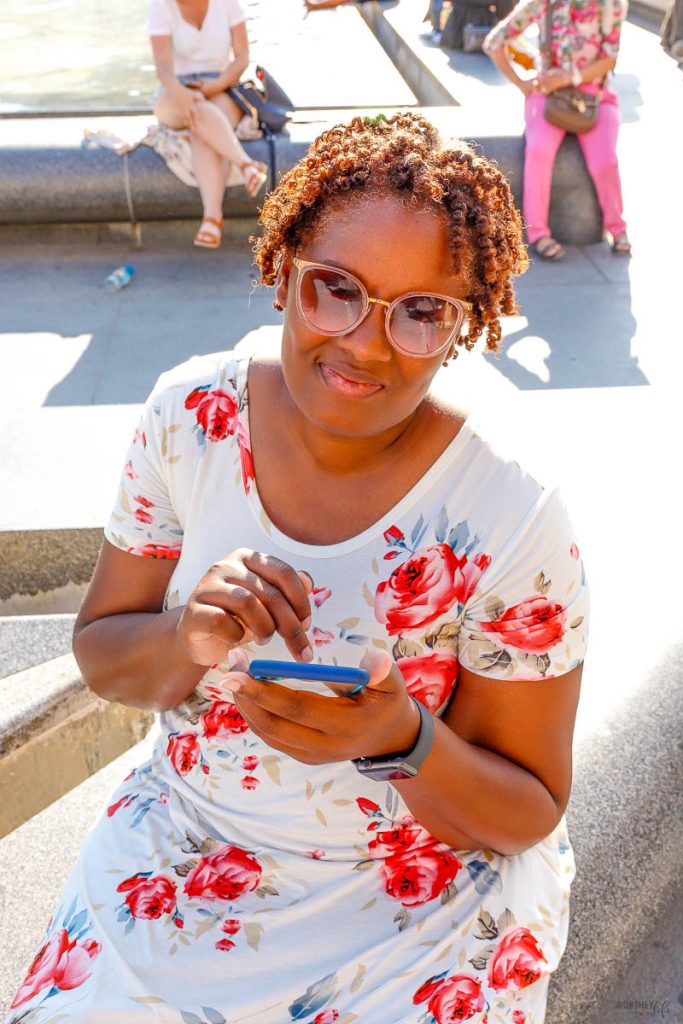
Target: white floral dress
228, 883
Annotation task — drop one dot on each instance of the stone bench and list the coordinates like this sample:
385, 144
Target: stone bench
48, 175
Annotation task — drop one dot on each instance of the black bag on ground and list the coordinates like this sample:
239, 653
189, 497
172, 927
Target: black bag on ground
264, 100
476, 13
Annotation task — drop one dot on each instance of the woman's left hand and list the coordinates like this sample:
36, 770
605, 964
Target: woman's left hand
315, 729
210, 87
549, 81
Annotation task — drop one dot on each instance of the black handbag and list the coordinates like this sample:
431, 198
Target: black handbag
264, 100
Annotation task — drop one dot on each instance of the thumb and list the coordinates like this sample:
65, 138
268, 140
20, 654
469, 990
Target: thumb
384, 672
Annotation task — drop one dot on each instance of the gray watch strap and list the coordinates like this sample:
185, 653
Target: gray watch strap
425, 738
412, 758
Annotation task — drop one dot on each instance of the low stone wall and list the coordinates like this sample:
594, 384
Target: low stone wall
54, 733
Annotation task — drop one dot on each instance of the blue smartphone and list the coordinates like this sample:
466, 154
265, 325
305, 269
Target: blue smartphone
355, 677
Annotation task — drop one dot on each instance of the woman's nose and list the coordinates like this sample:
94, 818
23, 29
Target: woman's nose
368, 342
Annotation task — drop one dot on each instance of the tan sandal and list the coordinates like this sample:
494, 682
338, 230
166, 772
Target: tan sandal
209, 239
255, 176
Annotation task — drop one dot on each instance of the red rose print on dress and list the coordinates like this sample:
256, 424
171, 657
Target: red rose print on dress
535, 625
430, 679
419, 875
326, 1017
246, 460
143, 516
183, 752
156, 550
321, 637
404, 834
320, 595
149, 896
516, 962
518, 1017
61, 963
225, 944
224, 874
451, 999
222, 719
426, 586
249, 762
249, 782
414, 866
231, 926
216, 412
141, 500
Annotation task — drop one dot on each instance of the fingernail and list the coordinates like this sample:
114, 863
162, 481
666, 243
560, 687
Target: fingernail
307, 623
307, 654
234, 685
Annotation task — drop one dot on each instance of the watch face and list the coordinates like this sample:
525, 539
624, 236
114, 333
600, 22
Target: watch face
390, 771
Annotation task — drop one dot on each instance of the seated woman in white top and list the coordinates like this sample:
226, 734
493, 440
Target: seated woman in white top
193, 42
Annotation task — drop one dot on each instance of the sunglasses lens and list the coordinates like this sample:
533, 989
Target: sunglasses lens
421, 325
331, 301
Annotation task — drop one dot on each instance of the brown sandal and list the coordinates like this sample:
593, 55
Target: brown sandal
549, 249
620, 244
255, 175
209, 239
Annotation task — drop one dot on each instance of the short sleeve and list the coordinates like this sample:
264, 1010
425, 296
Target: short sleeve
529, 617
158, 19
526, 13
236, 12
144, 520
610, 29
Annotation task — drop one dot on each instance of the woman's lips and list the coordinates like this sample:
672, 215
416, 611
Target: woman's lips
343, 386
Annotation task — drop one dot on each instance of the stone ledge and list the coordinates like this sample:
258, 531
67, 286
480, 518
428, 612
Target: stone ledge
87, 184
54, 733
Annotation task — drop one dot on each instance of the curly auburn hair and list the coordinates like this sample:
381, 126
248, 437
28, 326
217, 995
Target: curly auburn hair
404, 156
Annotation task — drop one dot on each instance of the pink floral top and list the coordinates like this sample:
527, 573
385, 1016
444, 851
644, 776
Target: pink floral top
582, 31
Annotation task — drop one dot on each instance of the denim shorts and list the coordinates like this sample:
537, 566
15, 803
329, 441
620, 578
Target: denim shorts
197, 76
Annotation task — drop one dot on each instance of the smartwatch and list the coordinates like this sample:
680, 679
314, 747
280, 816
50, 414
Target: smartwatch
404, 765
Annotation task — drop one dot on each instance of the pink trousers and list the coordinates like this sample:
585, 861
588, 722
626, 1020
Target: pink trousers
599, 147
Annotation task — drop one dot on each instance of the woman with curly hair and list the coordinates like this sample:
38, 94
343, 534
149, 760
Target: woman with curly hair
292, 852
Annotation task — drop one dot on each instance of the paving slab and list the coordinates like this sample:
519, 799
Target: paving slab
28, 640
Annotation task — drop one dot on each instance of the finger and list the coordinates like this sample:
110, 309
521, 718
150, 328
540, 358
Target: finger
288, 581
243, 604
385, 674
300, 707
281, 590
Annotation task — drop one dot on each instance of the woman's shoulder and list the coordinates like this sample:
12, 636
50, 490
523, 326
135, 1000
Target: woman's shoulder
197, 377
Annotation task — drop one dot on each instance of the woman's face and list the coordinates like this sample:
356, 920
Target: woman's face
392, 249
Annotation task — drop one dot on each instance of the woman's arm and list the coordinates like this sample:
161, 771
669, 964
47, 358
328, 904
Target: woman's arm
237, 66
132, 652
128, 650
503, 63
500, 768
186, 99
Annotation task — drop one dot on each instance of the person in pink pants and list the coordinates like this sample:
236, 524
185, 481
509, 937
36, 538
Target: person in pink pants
581, 52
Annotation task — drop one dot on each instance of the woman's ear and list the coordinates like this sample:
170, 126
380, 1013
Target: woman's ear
282, 284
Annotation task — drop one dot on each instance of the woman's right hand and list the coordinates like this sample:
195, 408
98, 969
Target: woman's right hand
527, 86
247, 596
187, 100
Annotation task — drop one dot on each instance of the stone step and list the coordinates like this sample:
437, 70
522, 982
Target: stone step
54, 733
28, 640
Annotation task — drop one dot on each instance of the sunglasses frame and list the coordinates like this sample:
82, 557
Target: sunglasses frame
461, 304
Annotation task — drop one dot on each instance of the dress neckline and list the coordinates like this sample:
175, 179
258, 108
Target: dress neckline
189, 23
370, 533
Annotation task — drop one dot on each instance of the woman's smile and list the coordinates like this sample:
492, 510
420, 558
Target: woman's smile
347, 382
